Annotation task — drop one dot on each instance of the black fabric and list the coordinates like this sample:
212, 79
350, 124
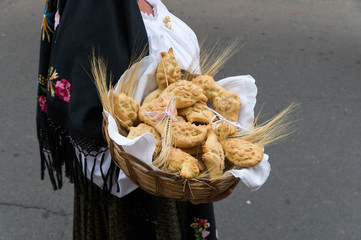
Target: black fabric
138, 215
195, 214
116, 32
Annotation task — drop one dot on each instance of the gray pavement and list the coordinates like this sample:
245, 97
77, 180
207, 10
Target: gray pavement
298, 51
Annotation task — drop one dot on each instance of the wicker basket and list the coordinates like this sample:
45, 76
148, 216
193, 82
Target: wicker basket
163, 184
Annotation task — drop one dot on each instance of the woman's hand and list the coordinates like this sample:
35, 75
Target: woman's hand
215, 199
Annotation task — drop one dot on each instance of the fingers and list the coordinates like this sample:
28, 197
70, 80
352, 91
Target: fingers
195, 202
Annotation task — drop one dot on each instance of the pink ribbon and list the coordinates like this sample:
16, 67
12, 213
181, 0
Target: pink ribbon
158, 116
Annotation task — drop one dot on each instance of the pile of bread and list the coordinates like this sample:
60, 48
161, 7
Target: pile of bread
200, 142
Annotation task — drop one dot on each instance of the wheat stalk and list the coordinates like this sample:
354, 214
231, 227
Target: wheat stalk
161, 161
105, 92
273, 130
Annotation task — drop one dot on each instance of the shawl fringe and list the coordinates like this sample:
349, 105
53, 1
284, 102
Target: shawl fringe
58, 159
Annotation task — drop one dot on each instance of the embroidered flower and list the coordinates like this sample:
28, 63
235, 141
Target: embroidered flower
51, 77
200, 225
42, 80
144, 214
194, 225
42, 103
205, 233
42, 83
57, 20
201, 222
47, 24
62, 89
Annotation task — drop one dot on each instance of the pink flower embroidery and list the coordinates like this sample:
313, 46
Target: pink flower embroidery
42, 103
57, 20
62, 89
205, 233
200, 227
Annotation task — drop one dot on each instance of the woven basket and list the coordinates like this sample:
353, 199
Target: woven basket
163, 184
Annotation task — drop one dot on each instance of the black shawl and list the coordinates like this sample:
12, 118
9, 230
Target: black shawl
69, 112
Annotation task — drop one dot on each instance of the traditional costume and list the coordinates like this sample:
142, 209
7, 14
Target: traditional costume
107, 205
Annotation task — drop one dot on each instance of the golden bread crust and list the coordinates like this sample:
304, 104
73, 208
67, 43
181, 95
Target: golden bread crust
168, 70
224, 129
151, 96
213, 156
193, 150
158, 104
207, 83
126, 109
185, 92
186, 134
187, 165
227, 104
197, 113
242, 153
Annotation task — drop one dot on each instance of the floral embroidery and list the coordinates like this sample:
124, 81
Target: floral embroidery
51, 77
47, 24
50, 83
57, 20
200, 227
59, 88
43, 80
62, 89
148, 217
42, 103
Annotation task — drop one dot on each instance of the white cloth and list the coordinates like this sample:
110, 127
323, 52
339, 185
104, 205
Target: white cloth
179, 36
186, 50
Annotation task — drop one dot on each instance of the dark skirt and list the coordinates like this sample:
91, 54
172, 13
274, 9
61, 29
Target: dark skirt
138, 216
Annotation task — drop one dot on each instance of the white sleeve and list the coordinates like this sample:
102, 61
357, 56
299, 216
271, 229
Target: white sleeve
126, 186
178, 35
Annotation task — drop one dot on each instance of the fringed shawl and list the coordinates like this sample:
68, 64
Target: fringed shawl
69, 112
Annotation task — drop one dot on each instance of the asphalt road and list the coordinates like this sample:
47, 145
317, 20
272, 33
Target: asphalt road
298, 51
